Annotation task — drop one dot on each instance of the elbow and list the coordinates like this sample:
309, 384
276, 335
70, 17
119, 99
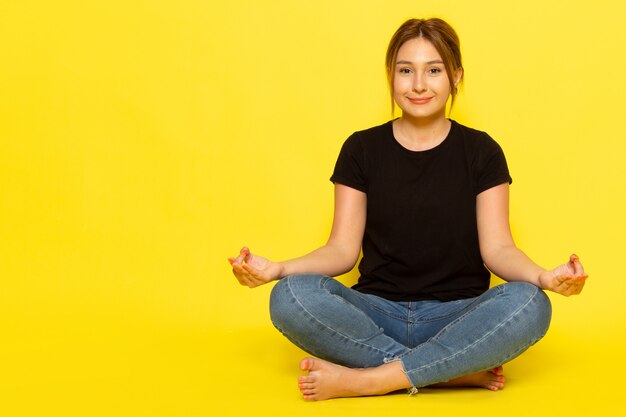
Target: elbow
348, 258
493, 255
349, 262
486, 255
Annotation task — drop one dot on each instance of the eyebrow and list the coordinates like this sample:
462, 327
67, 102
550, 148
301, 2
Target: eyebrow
437, 61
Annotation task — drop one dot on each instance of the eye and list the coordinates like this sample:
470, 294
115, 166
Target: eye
404, 70
434, 71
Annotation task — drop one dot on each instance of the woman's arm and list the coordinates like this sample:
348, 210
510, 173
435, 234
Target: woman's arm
336, 257
504, 259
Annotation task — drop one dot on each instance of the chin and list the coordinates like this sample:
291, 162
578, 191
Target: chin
423, 114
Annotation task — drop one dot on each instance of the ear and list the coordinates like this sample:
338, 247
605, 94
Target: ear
457, 76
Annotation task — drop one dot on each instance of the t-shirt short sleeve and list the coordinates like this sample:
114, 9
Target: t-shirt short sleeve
490, 168
350, 165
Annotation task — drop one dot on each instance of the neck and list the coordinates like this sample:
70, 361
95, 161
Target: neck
420, 133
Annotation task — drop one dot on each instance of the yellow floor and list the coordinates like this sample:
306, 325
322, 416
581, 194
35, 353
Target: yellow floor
252, 371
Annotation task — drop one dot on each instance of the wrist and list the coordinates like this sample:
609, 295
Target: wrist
282, 270
544, 279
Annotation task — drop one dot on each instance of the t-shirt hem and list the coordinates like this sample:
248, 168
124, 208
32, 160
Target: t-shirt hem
403, 297
348, 183
493, 183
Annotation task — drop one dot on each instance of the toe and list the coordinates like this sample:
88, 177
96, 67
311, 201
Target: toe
306, 379
492, 386
310, 396
497, 370
305, 364
306, 386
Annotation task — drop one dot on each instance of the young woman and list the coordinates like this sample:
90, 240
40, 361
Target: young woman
426, 200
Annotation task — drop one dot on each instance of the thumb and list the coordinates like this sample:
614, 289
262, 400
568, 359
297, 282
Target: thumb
245, 253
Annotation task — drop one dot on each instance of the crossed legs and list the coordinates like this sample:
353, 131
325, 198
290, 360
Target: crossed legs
359, 357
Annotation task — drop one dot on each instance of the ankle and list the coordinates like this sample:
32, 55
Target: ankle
387, 378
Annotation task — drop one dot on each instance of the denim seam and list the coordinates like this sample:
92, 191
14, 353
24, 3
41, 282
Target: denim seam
469, 310
429, 320
409, 326
375, 307
430, 365
412, 390
357, 342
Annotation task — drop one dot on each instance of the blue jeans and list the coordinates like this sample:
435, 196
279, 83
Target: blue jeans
435, 341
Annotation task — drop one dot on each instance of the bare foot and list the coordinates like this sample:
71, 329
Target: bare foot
492, 380
327, 380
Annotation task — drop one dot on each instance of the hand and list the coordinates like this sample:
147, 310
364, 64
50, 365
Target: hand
252, 270
567, 279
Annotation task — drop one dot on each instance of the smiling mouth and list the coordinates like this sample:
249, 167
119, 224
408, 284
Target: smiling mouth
421, 100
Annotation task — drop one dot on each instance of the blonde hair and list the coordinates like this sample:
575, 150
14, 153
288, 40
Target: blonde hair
444, 39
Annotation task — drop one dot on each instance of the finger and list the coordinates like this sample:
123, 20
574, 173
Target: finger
239, 258
580, 284
577, 280
247, 274
253, 273
239, 272
578, 267
247, 255
572, 286
573, 290
243, 276
562, 279
242, 254
580, 287
563, 286
566, 287
576, 290
258, 277
569, 281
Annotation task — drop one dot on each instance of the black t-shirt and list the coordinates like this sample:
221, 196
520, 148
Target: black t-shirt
421, 237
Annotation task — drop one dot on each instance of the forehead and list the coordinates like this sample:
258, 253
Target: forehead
418, 50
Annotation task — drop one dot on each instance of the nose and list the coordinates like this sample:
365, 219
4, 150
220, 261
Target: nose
419, 82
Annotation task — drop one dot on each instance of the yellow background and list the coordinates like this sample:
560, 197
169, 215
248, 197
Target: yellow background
143, 142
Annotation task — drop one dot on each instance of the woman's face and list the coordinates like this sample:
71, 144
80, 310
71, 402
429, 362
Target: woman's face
420, 87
